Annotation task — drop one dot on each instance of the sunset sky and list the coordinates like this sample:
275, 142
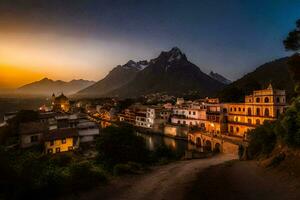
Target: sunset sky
74, 39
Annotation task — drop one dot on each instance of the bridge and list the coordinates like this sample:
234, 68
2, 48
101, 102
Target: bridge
217, 143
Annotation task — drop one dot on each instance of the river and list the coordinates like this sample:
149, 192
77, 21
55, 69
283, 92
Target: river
179, 146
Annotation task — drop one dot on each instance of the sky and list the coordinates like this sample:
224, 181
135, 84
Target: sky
74, 39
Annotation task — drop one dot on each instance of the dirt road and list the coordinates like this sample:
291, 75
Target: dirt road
243, 180
164, 182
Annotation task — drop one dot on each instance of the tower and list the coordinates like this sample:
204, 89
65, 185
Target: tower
53, 99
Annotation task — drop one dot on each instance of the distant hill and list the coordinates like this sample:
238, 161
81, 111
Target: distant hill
170, 73
47, 87
116, 78
275, 72
219, 78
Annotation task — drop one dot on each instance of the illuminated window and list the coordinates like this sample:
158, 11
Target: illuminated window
258, 122
267, 112
63, 141
57, 150
249, 111
267, 100
257, 111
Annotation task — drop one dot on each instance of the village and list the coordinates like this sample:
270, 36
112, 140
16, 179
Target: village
220, 127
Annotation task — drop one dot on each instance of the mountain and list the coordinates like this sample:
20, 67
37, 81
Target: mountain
48, 87
116, 78
219, 78
275, 72
170, 73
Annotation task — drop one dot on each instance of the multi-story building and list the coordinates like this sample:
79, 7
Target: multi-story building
156, 117
128, 116
32, 133
260, 106
61, 140
188, 116
141, 120
216, 119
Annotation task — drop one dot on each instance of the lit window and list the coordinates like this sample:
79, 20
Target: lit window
267, 100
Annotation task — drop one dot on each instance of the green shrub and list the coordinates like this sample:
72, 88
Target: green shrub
85, 175
262, 139
121, 169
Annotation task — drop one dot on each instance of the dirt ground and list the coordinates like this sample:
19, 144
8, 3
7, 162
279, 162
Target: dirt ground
243, 180
219, 177
169, 181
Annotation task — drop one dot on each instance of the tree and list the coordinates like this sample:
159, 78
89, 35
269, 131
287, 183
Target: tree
292, 43
120, 145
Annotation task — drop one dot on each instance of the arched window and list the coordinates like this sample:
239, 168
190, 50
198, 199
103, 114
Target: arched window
277, 99
249, 121
231, 129
249, 111
237, 129
234, 109
230, 109
258, 122
240, 109
267, 112
257, 111
267, 100
257, 100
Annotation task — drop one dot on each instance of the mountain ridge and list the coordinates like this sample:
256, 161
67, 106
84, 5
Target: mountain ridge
275, 72
48, 86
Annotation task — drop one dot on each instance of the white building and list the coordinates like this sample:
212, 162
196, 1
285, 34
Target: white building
87, 130
141, 120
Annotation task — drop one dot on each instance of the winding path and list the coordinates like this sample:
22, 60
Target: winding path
163, 182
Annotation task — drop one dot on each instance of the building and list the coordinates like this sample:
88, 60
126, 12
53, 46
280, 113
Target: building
157, 117
87, 130
216, 118
31, 133
141, 120
60, 103
61, 140
174, 130
128, 116
48, 118
260, 106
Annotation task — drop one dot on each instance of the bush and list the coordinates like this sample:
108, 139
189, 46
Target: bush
119, 145
289, 127
129, 168
262, 139
84, 175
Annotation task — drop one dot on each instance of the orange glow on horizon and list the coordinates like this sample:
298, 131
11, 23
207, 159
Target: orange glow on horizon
13, 77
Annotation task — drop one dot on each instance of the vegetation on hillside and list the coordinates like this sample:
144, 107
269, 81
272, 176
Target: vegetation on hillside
30, 174
275, 72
